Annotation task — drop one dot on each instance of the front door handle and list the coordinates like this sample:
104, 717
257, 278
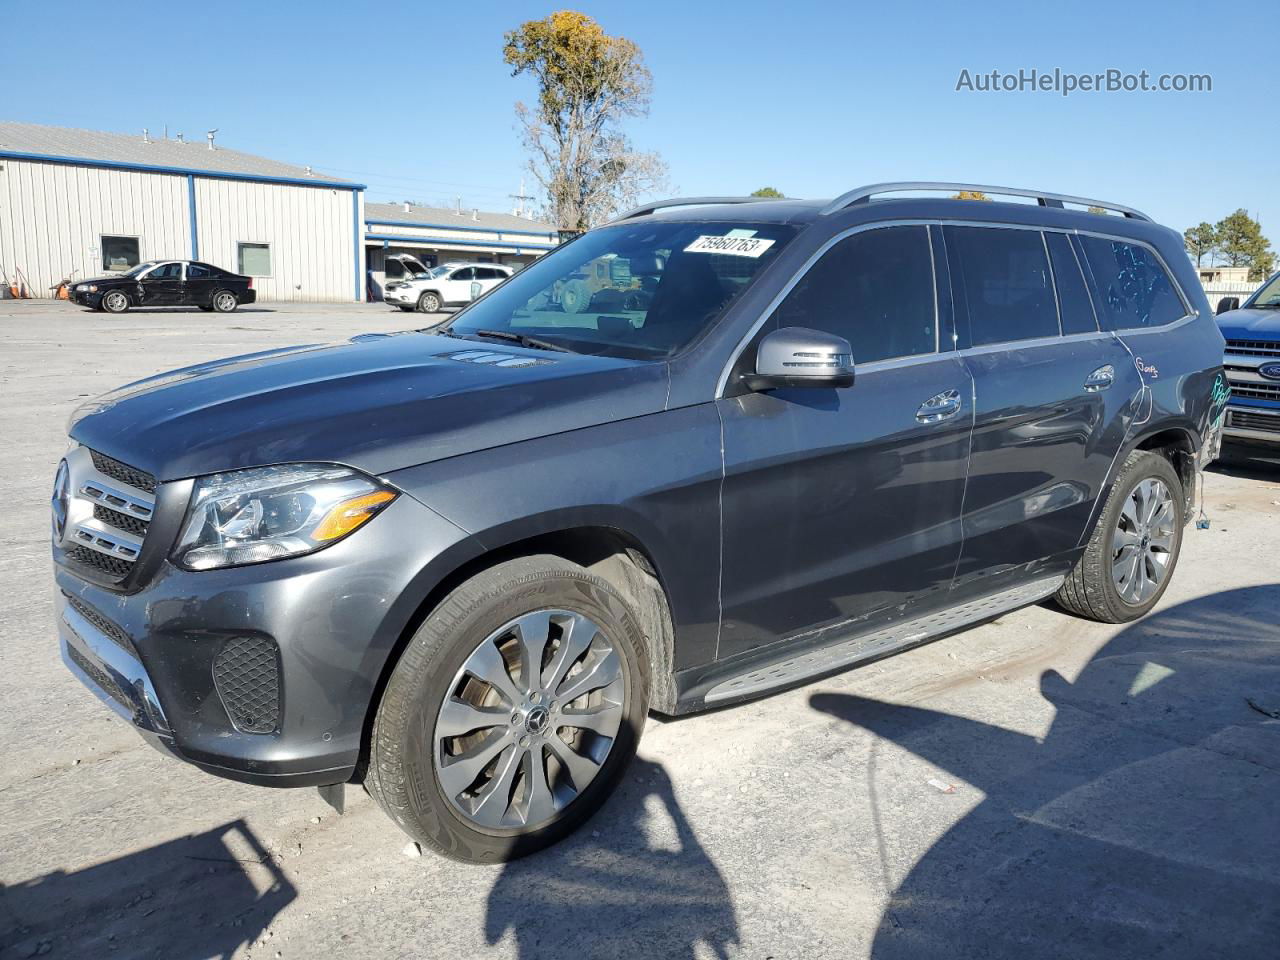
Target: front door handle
943, 406
1100, 379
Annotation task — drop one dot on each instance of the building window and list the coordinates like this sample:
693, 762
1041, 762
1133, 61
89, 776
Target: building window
254, 259
119, 253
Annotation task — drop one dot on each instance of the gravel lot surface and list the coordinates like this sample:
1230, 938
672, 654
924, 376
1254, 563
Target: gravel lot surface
1037, 787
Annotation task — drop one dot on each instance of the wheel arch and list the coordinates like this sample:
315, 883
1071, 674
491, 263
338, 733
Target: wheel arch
608, 551
1180, 445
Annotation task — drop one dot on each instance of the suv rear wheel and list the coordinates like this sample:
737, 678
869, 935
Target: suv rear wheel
512, 713
1131, 556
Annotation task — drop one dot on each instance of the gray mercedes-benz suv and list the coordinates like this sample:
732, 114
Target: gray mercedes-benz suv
782, 438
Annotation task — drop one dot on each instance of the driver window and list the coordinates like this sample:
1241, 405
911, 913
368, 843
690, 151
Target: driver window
875, 289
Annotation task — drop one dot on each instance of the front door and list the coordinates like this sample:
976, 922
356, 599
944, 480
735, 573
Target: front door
842, 508
1053, 399
162, 286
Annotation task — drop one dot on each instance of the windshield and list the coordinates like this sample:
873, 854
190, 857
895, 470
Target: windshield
139, 269
639, 290
1269, 295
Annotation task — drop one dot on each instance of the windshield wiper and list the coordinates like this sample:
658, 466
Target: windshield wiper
522, 339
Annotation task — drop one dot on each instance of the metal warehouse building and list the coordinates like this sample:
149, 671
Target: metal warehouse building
77, 204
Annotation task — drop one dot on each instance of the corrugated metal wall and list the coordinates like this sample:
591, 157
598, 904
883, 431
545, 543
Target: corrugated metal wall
53, 216
309, 230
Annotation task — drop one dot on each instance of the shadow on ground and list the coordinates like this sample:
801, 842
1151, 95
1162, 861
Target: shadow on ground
199, 896
1145, 823
634, 882
1249, 462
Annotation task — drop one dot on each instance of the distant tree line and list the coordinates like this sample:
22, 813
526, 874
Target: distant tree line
1237, 239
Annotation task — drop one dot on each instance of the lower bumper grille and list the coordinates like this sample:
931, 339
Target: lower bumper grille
109, 628
1260, 422
105, 683
247, 676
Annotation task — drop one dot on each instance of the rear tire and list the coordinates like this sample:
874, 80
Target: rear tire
1133, 552
224, 301
419, 771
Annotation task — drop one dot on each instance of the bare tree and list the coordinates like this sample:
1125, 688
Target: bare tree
588, 84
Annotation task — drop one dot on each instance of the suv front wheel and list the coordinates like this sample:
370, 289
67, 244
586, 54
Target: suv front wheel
430, 302
1131, 556
512, 713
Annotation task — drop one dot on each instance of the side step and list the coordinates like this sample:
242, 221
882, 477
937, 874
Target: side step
908, 633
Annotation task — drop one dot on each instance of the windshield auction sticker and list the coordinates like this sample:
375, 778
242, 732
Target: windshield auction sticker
730, 245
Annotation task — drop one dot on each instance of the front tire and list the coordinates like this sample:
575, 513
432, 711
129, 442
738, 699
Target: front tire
224, 301
429, 302
512, 713
115, 301
1131, 556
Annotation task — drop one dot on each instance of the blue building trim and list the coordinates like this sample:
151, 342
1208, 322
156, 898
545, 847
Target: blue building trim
180, 171
355, 244
402, 240
191, 210
453, 226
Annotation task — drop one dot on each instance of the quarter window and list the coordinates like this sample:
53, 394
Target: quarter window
120, 253
1073, 295
254, 259
1133, 289
1002, 279
875, 289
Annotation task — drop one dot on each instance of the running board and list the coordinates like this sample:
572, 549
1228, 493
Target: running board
908, 633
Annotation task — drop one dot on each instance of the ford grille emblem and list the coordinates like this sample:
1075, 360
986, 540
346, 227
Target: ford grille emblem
1270, 370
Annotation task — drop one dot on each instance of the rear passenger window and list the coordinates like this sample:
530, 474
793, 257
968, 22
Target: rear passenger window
1002, 277
1073, 295
198, 271
875, 289
1132, 286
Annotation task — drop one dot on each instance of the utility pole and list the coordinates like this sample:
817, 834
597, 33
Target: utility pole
520, 198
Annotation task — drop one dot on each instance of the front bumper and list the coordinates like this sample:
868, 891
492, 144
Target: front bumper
331, 620
1255, 423
85, 298
400, 295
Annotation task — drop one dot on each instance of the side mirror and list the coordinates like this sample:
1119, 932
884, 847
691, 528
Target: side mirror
1228, 303
800, 357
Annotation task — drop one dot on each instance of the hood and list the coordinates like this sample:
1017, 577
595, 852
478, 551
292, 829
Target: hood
377, 402
111, 278
1258, 323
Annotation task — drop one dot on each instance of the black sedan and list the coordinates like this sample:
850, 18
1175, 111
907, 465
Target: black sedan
167, 283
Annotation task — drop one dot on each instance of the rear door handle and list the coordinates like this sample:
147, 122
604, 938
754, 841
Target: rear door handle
1100, 379
943, 406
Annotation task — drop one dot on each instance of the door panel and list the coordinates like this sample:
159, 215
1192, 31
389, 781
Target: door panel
1050, 412
840, 506
162, 286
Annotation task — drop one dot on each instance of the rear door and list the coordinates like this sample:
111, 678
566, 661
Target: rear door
162, 286
1053, 398
843, 507
197, 289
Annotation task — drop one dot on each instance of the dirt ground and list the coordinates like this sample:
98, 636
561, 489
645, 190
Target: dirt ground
1040, 786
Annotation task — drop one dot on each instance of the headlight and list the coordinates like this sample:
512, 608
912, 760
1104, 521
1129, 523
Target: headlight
268, 513
93, 288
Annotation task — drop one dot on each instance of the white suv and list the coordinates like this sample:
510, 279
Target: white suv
451, 284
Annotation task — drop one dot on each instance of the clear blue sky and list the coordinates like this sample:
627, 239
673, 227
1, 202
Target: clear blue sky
812, 98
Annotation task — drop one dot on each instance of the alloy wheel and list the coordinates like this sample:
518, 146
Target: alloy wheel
1143, 541
529, 720
225, 302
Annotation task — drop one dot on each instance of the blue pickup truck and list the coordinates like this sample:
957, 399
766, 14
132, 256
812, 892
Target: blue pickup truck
1252, 332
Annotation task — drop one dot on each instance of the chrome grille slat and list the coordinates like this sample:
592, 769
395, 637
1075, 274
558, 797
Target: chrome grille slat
1254, 348
109, 509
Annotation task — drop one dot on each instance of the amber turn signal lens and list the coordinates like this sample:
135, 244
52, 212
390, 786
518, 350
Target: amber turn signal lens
350, 514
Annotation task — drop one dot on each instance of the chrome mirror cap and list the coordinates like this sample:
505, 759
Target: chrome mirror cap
800, 357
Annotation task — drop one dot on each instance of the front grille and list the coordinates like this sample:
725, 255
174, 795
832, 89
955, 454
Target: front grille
121, 521
1254, 348
122, 472
1244, 420
247, 676
1254, 390
112, 566
106, 626
104, 682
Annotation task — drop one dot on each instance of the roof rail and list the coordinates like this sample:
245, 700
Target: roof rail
687, 202
864, 194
